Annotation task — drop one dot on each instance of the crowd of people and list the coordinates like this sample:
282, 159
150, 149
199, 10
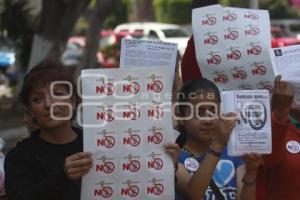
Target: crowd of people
49, 164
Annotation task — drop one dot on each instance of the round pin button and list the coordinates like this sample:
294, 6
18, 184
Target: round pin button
293, 147
191, 164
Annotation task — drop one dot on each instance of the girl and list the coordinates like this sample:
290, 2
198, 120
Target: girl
49, 164
203, 140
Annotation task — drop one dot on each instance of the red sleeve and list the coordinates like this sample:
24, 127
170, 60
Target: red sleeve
279, 130
189, 66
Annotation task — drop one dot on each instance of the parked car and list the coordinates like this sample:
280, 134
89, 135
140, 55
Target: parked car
153, 30
290, 26
280, 38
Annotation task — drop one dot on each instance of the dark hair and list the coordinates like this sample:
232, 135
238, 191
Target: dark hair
203, 3
183, 96
42, 74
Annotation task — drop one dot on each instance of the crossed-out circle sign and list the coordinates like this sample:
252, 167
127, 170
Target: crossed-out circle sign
134, 88
106, 192
158, 189
134, 166
109, 142
236, 54
256, 49
158, 112
108, 167
158, 86
216, 59
109, 115
135, 113
135, 140
233, 35
109, 89
158, 163
212, 20
133, 190
213, 39
157, 137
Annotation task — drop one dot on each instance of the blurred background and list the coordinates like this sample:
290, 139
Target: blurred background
87, 34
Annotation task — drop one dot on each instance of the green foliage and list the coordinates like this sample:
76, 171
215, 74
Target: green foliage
173, 11
15, 19
280, 9
120, 15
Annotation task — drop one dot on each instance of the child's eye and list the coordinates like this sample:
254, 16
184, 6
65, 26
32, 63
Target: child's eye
60, 93
37, 99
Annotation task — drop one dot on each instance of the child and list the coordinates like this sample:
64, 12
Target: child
50, 163
203, 151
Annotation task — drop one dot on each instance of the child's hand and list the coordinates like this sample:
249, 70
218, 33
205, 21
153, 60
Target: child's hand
253, 161
174, 150
78, 165
224, 126
283, 96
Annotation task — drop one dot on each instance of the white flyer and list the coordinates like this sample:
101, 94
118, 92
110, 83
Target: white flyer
253, 131
232, 47
126, 121
148, 53
286, 62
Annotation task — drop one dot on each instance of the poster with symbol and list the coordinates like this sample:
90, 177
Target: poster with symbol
286, 63
126, 119
253, 130
148, 53
232, 47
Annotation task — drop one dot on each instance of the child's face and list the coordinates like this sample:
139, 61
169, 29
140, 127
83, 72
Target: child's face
41, 102
206, 108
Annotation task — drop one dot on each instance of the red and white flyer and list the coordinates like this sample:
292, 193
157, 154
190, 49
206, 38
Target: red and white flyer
232, 47
126, 119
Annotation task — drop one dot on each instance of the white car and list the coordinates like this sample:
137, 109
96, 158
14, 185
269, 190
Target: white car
153, 30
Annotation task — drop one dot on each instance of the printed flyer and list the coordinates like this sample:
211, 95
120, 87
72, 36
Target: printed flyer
232, 47
126, 120
149, 53
286, 62
253, 130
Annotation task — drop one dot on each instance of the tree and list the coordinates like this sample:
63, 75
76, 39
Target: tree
141, 11
57, 20
102, 10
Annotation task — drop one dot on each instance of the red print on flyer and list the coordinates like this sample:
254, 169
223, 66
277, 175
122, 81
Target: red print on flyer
105, 87
251, 16
211, 39
107, 141
131, 189
132, 87
230, 16
231, 34
132, 138
131, 164
238, 73
156, 188
105, 114
254, 49
133, 113
252, 30
106, 166
156, 112
155, 162
234, 54
220, 77
104, 190
156, 136
209, 20
214, 58
155, 84
258, 69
